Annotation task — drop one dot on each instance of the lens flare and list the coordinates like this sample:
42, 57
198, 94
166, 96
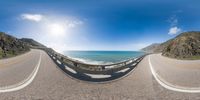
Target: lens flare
56, 29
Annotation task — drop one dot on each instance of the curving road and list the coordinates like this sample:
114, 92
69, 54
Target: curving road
50, 83
16, 69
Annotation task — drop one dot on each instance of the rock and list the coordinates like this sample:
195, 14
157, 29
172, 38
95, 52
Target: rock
151, 48
184, 46
10, 46
32, 43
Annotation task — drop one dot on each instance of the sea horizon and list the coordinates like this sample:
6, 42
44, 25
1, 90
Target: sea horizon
102, 57
105, 50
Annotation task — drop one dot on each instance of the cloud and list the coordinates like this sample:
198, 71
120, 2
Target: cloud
173, 20
69, 23
52, 30
32, 17
174, 30
73, 23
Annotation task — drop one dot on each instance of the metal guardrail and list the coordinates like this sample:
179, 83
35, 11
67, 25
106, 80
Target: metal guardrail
92, 68
82, 71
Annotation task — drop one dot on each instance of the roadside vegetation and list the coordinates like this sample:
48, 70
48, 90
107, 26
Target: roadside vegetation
11, 46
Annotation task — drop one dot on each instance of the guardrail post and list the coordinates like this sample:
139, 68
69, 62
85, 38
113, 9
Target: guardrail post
62, 59
75, 64
103, 67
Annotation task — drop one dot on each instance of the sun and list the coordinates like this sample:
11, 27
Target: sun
56, 29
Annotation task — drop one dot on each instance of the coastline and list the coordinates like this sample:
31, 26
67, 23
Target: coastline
103, 57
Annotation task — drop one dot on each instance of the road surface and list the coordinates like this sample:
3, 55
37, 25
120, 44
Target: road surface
16, 69
51, 83
187, 72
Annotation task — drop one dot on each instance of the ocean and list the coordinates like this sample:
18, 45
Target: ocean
102, 57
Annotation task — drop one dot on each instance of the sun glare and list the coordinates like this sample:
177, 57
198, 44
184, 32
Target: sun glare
56, 29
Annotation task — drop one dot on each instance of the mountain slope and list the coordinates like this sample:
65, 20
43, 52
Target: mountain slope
151, 48
32, 43
185, 45
11, 46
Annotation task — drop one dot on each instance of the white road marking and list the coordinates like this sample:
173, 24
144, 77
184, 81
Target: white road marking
98, 75
54, 58
24, 83
71, 70
123, 70
170, 86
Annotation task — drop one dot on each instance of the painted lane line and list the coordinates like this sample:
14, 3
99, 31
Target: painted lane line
25, 82
70, 69
170, 86
98, 75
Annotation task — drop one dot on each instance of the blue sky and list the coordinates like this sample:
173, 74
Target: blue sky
99, 25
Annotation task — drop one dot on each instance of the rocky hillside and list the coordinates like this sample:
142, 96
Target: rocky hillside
11, 46
184, 46
151, 48
32, 43
156, 47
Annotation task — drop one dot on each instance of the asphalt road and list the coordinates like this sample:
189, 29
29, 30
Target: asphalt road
51, 83
184, 73
16, 69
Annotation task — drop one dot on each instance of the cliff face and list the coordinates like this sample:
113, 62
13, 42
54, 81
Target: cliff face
10, 46
185, 45
32, 43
